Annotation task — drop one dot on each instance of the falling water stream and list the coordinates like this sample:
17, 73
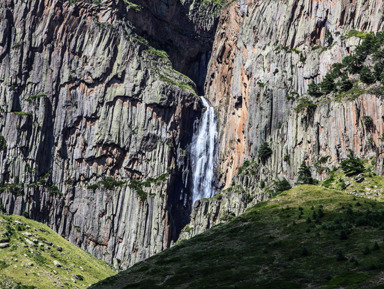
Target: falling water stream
203, 154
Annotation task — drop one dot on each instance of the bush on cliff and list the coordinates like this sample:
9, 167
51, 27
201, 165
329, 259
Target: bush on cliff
352, 165
264, 152
305, 175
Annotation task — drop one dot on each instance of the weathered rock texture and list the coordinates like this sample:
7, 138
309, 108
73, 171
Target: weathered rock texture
84, 98
88, 92
265, 54
185, 29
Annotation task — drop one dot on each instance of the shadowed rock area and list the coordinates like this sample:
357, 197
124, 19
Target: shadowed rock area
96, 123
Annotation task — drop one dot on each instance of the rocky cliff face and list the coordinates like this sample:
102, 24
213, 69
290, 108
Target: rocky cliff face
95, 122
265, 55
96, 119
184, 29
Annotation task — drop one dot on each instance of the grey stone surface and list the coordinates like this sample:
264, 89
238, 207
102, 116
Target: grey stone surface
265, 54
84, 98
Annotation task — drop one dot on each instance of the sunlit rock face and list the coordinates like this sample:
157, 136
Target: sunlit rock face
265, 55
87, 95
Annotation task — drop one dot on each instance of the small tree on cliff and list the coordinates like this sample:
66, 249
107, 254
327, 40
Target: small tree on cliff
352, 165
314, 90
305, 176
282, 185
264, 152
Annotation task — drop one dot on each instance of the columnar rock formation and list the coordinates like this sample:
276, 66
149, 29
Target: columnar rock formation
265, 55
95, 123
97, 114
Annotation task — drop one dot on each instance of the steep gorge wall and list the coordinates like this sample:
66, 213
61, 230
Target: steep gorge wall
87, 93
265, 55
95, 124
184, 29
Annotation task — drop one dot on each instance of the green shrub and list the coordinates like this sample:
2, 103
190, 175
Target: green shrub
314, 90
246, 164
93, 187
110, 183
22, 113
305, 103
352, 165
138, 187
282, 185
37, 96
328, 84
305, 175
343, 185
3, 143
26, 214
54, 190
352, 63
345, 84
367, 76
264, 152
368, 122
379, 71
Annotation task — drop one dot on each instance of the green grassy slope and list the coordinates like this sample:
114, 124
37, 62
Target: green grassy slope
24, 264
307, 237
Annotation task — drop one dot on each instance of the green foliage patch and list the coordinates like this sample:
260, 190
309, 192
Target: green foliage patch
307, 236
26, 265
342, 75
352, 165
264, 152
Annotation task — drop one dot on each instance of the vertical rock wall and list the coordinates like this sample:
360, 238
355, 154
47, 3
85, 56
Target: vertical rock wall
95, 126
264, 56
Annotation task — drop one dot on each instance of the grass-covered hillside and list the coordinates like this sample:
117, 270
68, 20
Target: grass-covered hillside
33, 256
307, 237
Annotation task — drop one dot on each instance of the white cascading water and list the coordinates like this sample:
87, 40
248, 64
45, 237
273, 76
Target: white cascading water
203, 154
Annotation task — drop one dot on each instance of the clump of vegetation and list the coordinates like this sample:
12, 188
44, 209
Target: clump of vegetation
247, 168
355, 33
108, 183
22, 113
282, 185
183, 85
367, 76
133, 6
25, 265
54, 190
368, 122
274, 246
352, 165
339, 79
216, 5
16, 189
44, 179
305, 103
3, 143
314, 90
36, 96
264, 152
139, 186
159, 53
246, 164
305, 175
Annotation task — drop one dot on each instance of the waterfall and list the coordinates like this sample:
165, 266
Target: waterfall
203, 154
